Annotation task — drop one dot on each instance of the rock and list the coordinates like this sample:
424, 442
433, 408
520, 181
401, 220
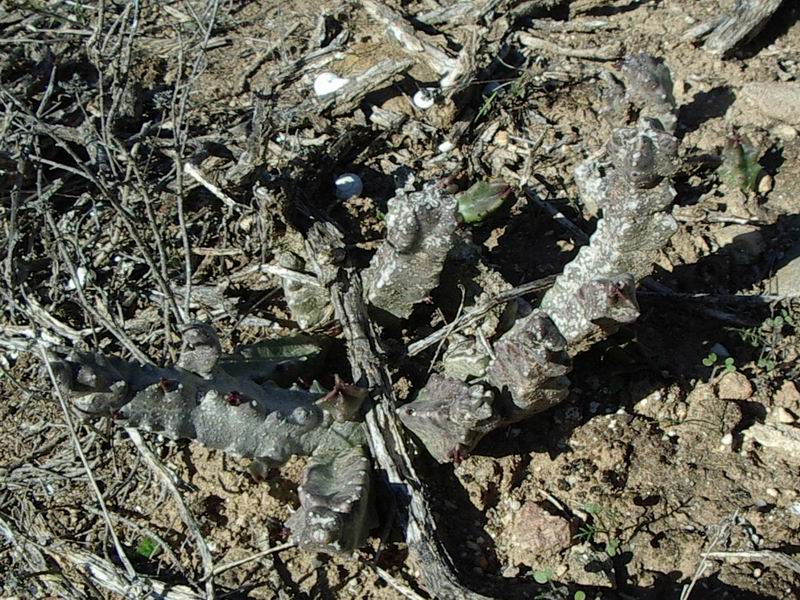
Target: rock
734, 386
588, 566
788, 395
535, 533
779, 100
780, 415
782, 438
765, 184
785, 132
787, 277
744, 243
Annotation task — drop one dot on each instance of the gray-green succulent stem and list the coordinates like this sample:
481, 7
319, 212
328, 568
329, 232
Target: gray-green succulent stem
589, 300
643, 90
234, 403
308, 303
420, 231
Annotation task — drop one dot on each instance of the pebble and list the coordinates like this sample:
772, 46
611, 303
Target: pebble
765, 184
734, 386
779, 100
727, 439
446, 146
424, 99
787, 277
328, 83
772, 492
785, 132
348, 185
781, 415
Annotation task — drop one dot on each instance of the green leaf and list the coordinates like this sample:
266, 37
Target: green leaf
482, 199
147, 547
580, 595
612, 547
592, 508
739, 168
542, 575
710, 359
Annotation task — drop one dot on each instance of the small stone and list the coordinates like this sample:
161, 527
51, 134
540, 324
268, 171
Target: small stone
788, 395
765, 184
424, 99
328, 83
772, 492
727, 439
734, 386
535, 533
501, 138
781, 415
744, 243
348, 185
779, 100
757, 573
787, 277
785, 132
445, 146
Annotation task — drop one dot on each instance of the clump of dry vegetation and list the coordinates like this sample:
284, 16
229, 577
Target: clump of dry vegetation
292, 292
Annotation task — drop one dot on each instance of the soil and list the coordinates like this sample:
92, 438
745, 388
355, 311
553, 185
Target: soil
618, 492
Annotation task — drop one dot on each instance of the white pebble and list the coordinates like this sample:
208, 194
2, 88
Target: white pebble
423, 99
72, 284
348, 185
328, 83
794, 508
726, 440
446, 147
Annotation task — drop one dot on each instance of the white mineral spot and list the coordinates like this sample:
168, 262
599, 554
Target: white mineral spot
328, 83
72, 284
726, 440
794, 508
446, 147
348, 185
423, 99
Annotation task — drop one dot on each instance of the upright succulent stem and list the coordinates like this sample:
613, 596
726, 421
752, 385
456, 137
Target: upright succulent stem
591, 297
420, 230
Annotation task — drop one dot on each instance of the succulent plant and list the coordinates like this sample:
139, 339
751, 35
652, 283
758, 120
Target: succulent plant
235, 403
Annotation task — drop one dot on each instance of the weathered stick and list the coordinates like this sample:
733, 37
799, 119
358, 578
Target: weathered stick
384, 431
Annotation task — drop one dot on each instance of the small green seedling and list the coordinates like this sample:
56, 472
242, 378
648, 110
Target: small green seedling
739, 168
147, 548
771, 339
712, 360
482, 199
579, 595
601, 527
542, 576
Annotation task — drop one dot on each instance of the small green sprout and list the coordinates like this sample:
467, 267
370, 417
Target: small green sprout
739, 168
482, 199
542, 576
579, 595
712, 360
602, 526
147, 548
